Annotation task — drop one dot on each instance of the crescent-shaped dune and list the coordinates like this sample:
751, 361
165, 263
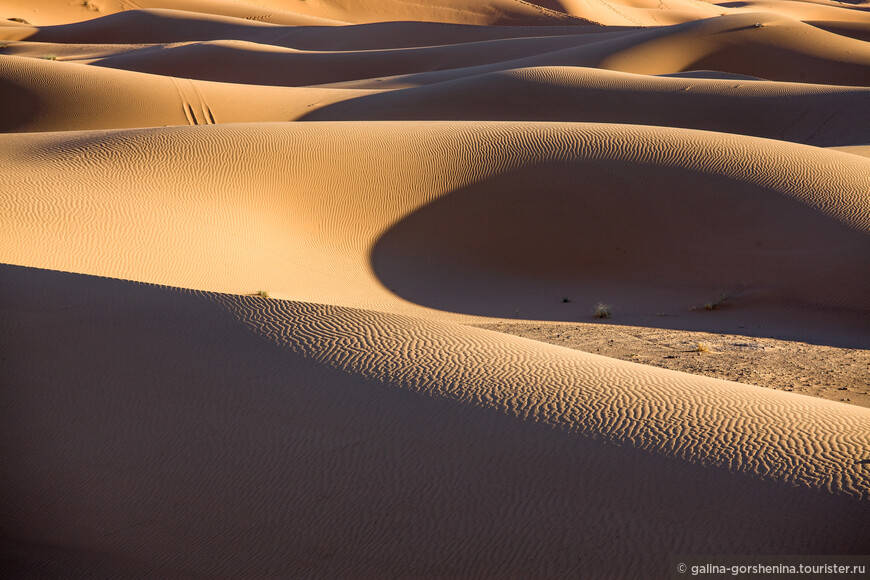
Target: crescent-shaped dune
365, 202
247, 247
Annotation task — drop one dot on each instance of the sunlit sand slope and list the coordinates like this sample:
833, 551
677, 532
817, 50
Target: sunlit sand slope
296, 12
764, 45
804, 113
156, 26
242, 244
41, 95
477, 218
182, 434
54, 96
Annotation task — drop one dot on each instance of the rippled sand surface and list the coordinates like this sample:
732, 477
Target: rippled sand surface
259, 262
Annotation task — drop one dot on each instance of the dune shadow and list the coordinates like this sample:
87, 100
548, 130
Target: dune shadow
170, 428
19, 107
182, 441
549, 241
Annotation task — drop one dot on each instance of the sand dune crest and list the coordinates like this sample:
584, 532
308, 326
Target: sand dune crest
248, 250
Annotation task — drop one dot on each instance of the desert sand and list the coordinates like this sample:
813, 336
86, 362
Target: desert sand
305, 289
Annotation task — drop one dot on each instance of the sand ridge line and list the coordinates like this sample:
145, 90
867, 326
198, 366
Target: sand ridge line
791, 112
278, 222
307, 417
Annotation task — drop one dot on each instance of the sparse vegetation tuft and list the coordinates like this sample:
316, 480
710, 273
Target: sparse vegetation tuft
262, 293
18, 20
702, 347
602, 310
716, 303
49, 57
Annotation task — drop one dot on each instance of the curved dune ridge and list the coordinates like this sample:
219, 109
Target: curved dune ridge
51, 96
168, 26
423, 442
763, 45
327, 12
306, 204
243, 243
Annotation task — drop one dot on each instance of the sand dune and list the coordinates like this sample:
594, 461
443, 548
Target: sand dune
779, 49
56, 96
295, 12
42, 95
763, 45
244, 244
760, 45
306, 430
167, 26
342, 212
51, 13
860, 150
803, 113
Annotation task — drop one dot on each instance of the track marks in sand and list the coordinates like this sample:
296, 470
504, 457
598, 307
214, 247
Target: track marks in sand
55, 96
190, 95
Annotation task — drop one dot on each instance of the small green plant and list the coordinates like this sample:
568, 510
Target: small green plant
602, 310
702, 347
49, 57
262, 293
3, 45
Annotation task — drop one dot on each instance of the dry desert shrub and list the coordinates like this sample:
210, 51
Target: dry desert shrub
602, 310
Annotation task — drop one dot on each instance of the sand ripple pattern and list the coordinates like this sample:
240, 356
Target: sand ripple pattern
241, 244
719, 424
319, 200
194, 433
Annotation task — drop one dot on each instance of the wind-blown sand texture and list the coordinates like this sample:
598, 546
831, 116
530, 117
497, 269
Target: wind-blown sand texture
248, 247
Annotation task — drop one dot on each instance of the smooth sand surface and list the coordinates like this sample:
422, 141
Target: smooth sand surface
248, 247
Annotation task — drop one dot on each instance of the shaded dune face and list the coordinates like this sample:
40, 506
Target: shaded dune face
168, 26
553, 226
731, 44
56, 96
529, 202
243, 245
822, 116
307, 447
